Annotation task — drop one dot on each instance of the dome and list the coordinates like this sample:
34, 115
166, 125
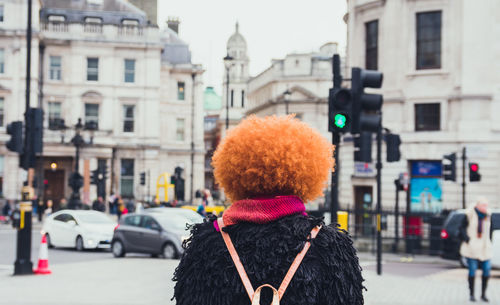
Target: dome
236, 40
212, 101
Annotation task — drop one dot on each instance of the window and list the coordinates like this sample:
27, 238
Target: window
54, 115
429, 40
128, 118
95, 20
134, 221
1, 13
92, 69
180, 130
127, 178
180, 91
91, 116
57, 18
129, 70
242, 98
427, 117
1, 110
371, 45
55, 68
2, 61
130, 22
232, 97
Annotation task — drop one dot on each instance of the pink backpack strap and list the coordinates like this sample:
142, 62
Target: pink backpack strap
236, 260
296, 263
241, 270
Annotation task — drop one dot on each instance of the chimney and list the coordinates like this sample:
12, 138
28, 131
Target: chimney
173, 24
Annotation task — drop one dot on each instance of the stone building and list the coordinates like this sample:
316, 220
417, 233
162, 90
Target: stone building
441, 94
134, 87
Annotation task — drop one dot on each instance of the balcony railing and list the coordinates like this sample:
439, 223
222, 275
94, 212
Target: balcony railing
92, 28
127, 30
59, 27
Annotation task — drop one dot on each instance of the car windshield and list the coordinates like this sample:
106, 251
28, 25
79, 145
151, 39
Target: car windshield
173, 221
94, 218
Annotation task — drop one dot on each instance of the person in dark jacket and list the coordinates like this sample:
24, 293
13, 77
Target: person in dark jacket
98, 204
269, 168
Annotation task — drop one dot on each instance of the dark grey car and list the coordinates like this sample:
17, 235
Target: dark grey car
153, 233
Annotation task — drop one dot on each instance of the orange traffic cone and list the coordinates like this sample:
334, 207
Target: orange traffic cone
43, 258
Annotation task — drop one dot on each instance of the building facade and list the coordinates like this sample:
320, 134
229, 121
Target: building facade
133, 87
441, 94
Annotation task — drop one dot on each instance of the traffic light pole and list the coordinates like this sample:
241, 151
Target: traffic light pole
379, 198
464, 159
334, 204
334, 193
23, 264
396, 215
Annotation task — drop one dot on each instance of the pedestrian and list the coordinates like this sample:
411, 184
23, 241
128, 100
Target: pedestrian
269, 168
130, 206
111, 203
48, 209
476, 232
98, 204
119, 206
63, 204
40, 210
6, 210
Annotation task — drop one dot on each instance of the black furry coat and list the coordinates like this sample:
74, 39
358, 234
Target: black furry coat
329, 274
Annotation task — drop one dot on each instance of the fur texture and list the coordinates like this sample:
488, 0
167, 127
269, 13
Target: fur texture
273, 156
329, 274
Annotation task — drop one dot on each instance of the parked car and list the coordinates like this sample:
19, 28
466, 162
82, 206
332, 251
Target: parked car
450, 239
79, 229
158, 231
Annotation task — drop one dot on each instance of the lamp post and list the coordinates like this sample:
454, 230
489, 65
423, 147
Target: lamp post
76, 180
287, 95
228, 61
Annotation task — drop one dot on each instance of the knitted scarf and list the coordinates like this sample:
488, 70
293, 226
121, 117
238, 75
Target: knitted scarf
263, 210
481, 217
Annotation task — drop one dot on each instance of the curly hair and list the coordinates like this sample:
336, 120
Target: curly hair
273, 156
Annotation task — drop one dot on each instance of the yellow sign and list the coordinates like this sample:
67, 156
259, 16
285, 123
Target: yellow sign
216, 210
163, 182
342, 219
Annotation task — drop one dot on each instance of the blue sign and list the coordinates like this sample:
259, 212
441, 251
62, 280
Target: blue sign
426, 169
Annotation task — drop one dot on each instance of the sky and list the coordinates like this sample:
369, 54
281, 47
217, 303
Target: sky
272, 29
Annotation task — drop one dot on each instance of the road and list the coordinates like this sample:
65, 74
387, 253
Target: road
96, 277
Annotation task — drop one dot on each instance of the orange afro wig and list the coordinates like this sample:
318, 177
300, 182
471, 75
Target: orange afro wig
273, 156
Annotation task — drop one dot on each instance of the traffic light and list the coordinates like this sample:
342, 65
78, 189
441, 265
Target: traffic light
366, 107
363, 147
35, 129
450, 169
45, 184
474, 175
143, 178
339, 110
393, 141
15, 130
94, 178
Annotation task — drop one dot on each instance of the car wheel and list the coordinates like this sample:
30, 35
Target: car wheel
169, 251
49, 243
117, 249
79, 246
463, 262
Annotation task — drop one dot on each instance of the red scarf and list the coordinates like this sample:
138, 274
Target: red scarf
263, 210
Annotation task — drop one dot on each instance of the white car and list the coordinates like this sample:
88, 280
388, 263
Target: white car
79, 229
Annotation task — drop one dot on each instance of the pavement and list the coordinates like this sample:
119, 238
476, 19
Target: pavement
96, 277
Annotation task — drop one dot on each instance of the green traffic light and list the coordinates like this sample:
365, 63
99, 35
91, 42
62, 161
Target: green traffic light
340, 120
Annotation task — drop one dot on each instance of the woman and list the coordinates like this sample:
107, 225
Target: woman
269, 167
476, 246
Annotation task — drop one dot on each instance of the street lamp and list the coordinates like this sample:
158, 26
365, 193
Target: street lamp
287, 95
76, 180
228, 62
